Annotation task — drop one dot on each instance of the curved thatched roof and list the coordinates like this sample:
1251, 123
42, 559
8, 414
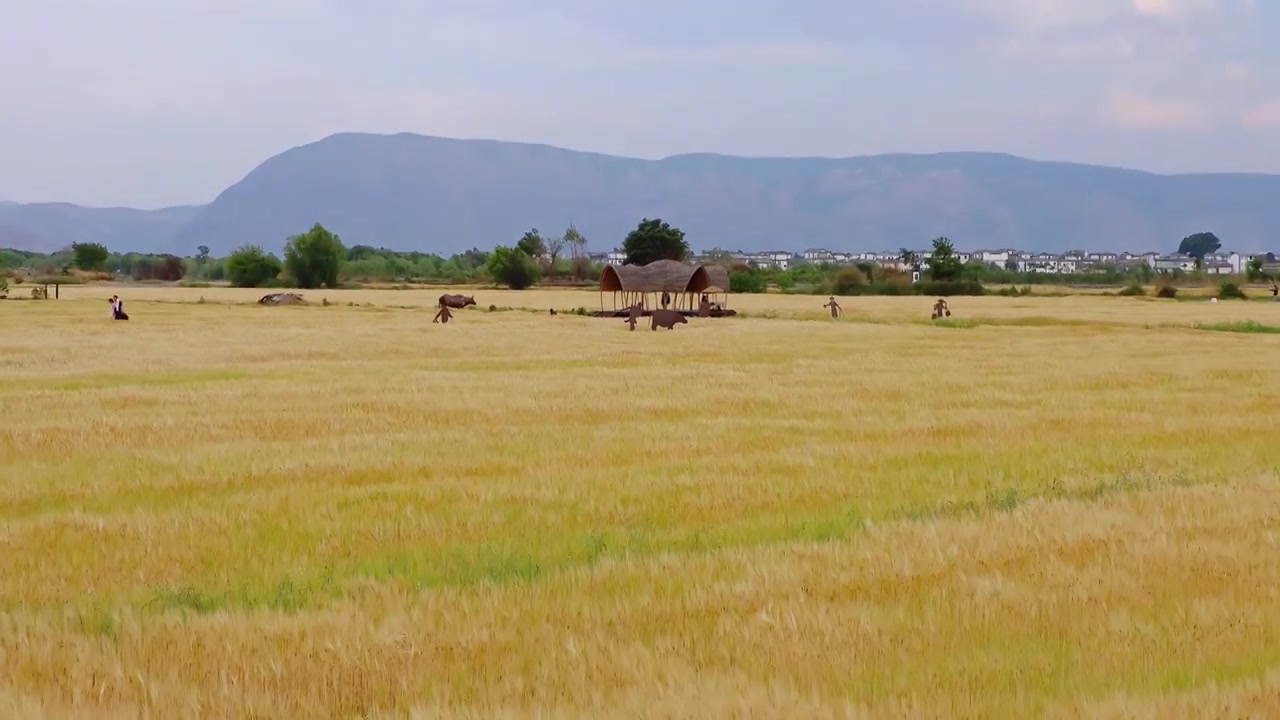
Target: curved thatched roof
663, 276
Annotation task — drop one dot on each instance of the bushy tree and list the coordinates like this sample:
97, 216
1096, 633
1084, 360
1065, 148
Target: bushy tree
314, 258
532, 244
655, 240
251, 266
1199, 245
512, 267
943, 264
89, 256
848, 281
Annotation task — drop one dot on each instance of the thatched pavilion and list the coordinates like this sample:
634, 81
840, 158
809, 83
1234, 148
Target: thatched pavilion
684, 284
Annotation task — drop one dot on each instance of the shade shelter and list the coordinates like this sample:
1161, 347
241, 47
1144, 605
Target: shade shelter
682, 283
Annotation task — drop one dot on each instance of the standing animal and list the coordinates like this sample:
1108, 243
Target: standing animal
457, 302
667, 319
451, 301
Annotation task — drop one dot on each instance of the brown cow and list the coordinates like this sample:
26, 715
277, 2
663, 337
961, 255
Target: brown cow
667, 319
457, 302
447, 301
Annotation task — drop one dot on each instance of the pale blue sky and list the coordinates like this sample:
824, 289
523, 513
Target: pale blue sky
155, 102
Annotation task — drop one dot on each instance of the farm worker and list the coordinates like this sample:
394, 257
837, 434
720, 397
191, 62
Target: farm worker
835, 306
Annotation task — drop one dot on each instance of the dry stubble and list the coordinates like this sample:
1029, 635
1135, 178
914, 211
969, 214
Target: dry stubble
235, 510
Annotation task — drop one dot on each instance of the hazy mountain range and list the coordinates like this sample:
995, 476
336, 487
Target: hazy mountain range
414, 192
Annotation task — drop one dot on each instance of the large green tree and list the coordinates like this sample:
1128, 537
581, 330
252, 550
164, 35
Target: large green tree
512, 267
654, 240
1199, 245
89, 256
251, 266
314, 258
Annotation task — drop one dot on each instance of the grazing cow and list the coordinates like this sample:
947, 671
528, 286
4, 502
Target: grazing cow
667, 319
457, 302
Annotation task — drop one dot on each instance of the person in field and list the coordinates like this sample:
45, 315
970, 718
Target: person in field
1275, 292
940, 309
117, 309
443, 315
835, 306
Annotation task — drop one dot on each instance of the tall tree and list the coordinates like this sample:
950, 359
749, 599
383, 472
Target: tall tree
532, 244
655, 240
1199, 245
943, 263
575, 240
553, 246
314, 258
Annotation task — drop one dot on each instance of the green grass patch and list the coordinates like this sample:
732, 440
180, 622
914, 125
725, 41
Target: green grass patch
516, 561
1244, 326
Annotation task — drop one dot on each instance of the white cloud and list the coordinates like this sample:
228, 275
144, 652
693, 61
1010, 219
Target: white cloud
1139, 111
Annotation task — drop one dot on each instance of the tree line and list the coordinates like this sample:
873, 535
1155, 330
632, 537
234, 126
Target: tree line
319, 258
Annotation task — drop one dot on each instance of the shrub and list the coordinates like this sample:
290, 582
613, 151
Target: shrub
1014, 291
1132, 290
1166, 291
848, 281
1231, 291
747, 281
250, 266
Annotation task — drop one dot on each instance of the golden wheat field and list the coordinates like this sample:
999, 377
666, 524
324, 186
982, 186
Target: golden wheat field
1051, 507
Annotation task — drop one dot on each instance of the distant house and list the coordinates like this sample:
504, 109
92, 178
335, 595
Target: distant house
1173, 262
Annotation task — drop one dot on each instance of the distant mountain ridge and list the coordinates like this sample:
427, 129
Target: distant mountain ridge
47, 227
416, 192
